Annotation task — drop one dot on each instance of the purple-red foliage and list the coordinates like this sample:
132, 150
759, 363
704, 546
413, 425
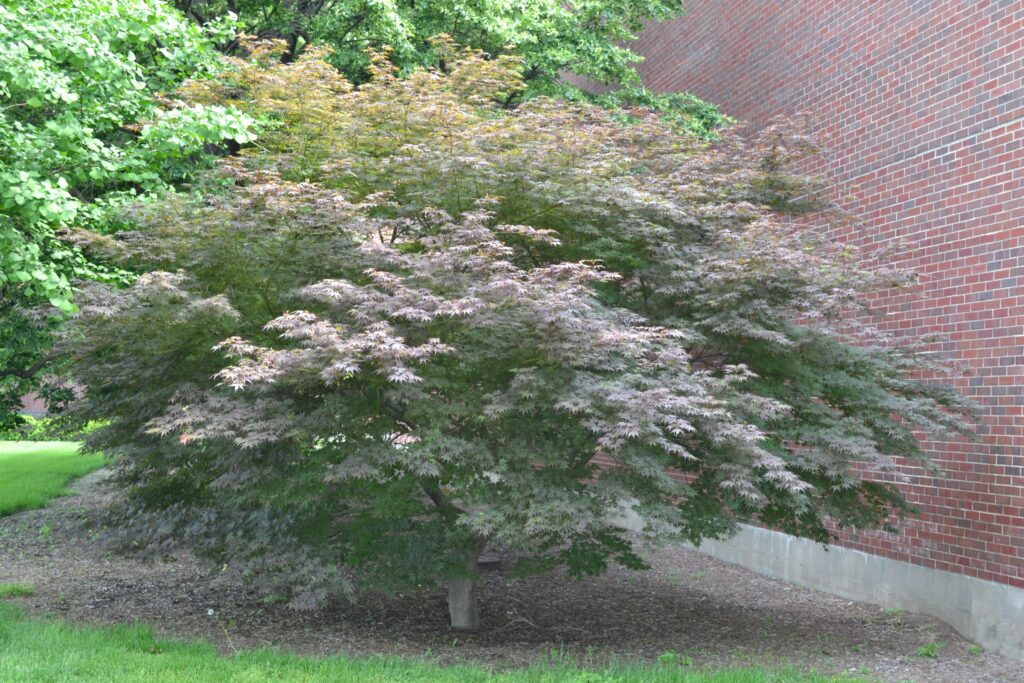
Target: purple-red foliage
419, 323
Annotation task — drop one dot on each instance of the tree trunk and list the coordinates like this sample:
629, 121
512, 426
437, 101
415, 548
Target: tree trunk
462, 604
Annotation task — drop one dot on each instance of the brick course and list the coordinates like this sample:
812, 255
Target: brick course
921, 106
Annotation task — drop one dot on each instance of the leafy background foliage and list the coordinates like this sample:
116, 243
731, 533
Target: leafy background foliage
583, 37
588, 38
434, 315
82, 130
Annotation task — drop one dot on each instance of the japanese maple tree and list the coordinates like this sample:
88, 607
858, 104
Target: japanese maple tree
416, 323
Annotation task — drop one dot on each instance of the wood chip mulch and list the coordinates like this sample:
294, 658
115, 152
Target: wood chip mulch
709, 611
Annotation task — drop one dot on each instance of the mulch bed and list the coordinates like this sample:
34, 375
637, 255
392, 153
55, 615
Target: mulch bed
705, 609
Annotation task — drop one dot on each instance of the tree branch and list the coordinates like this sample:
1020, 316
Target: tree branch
444, 506
31, 370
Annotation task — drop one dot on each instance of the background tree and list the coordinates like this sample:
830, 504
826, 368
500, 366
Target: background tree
588, 38
433, 317
82, 130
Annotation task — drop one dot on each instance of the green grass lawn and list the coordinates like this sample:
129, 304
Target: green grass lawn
16, 590
39, 650
33, 472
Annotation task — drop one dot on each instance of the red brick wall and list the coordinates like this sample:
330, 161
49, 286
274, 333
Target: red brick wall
921, 104
33, 405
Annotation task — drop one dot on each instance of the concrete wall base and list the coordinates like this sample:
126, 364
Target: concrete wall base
988, 613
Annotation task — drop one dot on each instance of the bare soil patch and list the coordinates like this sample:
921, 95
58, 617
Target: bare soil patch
716, 613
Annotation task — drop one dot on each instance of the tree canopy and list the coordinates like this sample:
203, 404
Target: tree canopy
550, 36
83, 128
588, 38
433, 323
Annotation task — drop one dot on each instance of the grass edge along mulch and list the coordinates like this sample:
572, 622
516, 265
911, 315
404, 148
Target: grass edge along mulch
43, 649
35, 472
